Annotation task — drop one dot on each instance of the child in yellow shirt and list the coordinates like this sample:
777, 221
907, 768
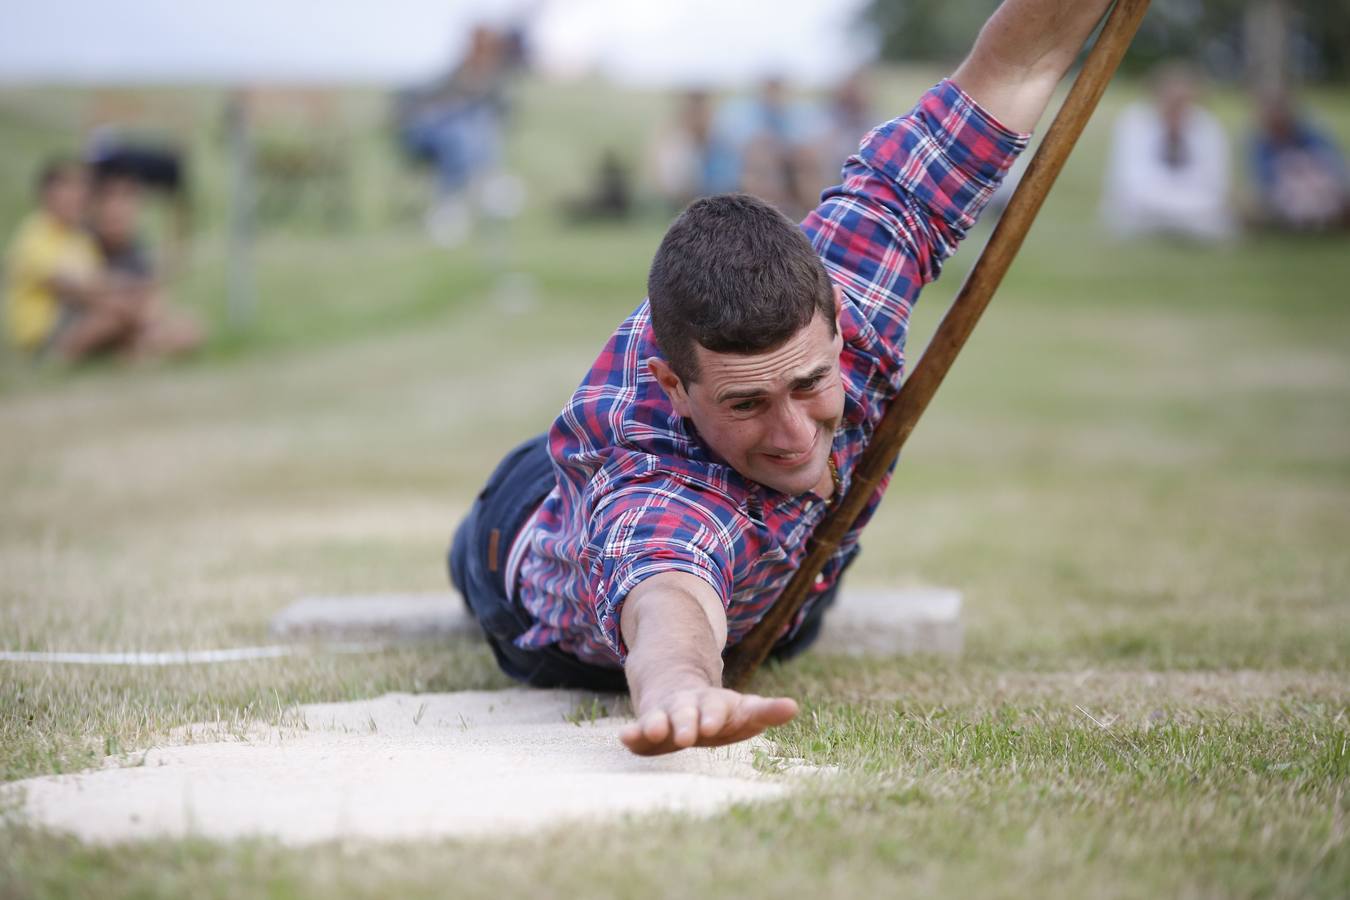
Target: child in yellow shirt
51, 260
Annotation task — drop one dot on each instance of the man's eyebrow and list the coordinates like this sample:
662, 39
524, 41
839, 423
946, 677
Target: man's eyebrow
742, 394
819, 371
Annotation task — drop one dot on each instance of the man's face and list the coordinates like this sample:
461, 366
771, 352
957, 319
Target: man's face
771, 416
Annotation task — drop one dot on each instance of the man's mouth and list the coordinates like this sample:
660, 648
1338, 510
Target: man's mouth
790, 460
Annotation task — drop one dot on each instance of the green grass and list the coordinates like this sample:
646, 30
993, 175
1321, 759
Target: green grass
1138, 474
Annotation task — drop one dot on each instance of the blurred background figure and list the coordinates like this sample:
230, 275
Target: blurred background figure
52, 267
71, 294
610, 197
689, 158
158, 329
156, 164
1168, 168
783, 150
455, 124
779, 145
1298, 172
850, 116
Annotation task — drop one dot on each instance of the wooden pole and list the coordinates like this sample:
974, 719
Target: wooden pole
743, 659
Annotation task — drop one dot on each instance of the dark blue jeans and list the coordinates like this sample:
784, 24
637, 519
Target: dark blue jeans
478, 571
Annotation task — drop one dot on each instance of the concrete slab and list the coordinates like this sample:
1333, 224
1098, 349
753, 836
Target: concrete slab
390, 616
398, 767
866, 620
878, 621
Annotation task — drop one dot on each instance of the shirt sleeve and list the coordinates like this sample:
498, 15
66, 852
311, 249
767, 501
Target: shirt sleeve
650, 532
912, 192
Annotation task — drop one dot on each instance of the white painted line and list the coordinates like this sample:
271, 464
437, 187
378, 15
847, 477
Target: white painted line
178, 657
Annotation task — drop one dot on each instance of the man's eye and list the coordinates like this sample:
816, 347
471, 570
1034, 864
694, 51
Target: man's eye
810, 385
745, 405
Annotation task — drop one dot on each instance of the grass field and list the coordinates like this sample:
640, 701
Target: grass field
1138, 473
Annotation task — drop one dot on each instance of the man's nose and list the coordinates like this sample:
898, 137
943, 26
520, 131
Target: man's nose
794, 429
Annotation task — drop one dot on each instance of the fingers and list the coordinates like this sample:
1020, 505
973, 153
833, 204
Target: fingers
648, 734
752, 715
711, 719
714, 718
655, 726
772, 711
684, 723
762, 712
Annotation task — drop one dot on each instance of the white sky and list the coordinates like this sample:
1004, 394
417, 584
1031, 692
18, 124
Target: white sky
651, 41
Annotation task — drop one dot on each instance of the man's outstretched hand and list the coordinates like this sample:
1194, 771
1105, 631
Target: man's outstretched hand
703, 717
675, 629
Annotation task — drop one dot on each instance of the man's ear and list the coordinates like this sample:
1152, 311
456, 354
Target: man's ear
838, 314
670, 383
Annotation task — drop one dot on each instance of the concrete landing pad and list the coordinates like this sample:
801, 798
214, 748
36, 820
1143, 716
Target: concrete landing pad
866, 620
398, 767
391, 616
879, 621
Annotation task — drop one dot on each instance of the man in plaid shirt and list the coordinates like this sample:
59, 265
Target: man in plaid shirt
667, 507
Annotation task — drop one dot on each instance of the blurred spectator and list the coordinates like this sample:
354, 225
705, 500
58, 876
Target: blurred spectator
456, 125
114, 218
778, 142
156, 164
1299, 173
689, 158
1168, 168
850, 117
63, 298
781, 150
52, 267
610, 196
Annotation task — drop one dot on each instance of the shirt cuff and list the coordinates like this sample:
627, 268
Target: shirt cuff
616, 584
967, 134
949, 152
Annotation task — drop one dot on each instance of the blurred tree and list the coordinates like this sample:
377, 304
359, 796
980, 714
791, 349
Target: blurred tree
1210, 32
926, 30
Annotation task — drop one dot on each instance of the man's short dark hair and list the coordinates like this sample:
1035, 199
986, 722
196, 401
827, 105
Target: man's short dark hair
733, 275
54, 169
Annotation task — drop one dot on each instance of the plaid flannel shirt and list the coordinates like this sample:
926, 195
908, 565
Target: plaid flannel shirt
638, 493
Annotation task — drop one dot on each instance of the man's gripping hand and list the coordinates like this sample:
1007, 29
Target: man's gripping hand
703, 717
675, 629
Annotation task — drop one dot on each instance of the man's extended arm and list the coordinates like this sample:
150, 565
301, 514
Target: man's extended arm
675, 629
1021, 54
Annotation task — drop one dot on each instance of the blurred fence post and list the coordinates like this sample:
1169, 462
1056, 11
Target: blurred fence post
241, 292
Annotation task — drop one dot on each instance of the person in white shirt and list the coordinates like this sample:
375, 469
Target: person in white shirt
1168, 171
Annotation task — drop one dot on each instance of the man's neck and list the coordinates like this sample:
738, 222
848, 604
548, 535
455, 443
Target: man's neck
825, 487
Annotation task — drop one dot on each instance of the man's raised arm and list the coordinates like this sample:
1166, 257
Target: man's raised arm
1021, 54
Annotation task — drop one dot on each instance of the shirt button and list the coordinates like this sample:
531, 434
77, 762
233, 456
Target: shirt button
820, 579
